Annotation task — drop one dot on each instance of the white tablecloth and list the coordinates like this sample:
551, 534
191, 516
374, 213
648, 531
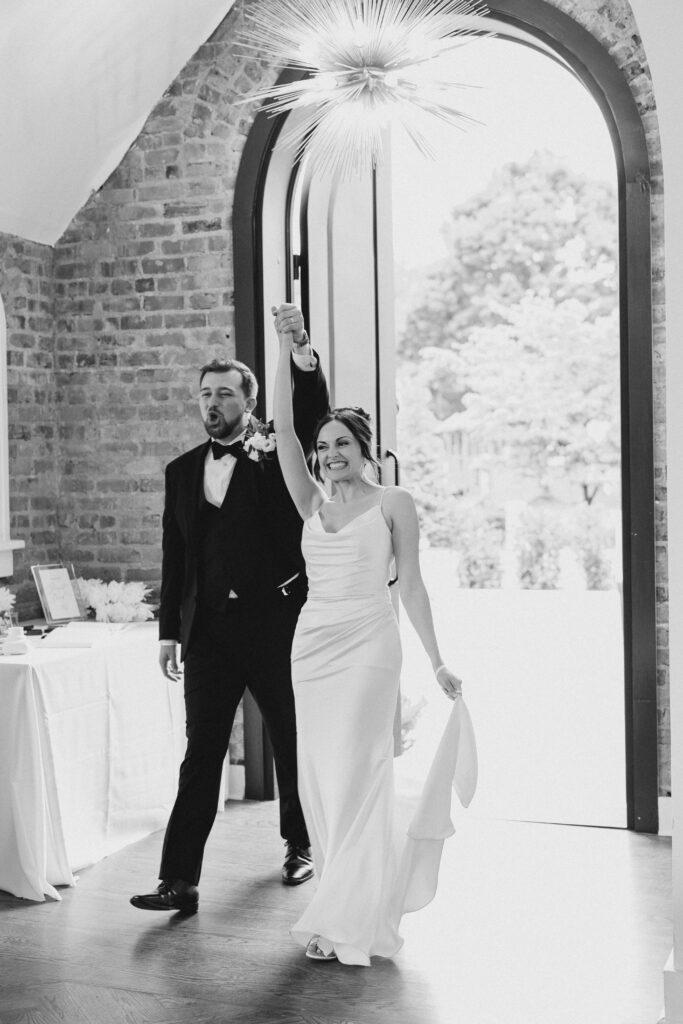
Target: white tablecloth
90, 744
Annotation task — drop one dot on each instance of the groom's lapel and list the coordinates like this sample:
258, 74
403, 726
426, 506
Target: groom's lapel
194, 484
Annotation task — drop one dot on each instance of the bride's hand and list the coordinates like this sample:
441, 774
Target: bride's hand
288, 323
283, 339
449, 683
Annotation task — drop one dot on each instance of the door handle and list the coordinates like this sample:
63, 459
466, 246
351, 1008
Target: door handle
390, 454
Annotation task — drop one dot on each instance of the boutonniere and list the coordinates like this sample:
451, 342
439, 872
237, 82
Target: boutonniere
260, 441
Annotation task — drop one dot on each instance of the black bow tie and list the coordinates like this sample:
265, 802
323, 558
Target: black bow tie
219, 450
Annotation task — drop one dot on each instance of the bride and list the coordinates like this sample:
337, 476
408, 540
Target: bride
346, 659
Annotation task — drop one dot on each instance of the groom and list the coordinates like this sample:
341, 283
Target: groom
232, 586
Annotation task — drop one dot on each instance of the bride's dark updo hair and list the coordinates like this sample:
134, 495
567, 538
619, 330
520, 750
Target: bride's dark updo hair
359, 424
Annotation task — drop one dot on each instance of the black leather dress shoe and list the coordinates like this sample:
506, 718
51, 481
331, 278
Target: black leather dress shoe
298, 865
166, 896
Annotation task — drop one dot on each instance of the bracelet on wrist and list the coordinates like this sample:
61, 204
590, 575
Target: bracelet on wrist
304, 341
438, 669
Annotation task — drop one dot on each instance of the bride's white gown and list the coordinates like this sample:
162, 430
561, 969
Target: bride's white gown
346, 659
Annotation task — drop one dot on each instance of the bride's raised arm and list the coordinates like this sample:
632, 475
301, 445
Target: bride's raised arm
305, 492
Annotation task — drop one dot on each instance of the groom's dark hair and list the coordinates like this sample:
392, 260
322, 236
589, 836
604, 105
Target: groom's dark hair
359, 423
249, 382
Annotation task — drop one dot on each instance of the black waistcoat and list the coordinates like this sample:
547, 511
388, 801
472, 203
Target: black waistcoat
214, 577
240, 544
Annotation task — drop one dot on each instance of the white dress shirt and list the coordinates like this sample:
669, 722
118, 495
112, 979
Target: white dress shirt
218, 474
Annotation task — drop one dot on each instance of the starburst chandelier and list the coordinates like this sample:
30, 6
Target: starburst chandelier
367, 67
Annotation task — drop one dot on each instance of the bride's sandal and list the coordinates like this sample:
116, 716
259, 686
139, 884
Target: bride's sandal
314, 952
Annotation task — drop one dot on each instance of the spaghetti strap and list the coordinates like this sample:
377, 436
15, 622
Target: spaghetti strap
381, 500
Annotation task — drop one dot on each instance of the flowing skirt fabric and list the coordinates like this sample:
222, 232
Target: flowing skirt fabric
346, 661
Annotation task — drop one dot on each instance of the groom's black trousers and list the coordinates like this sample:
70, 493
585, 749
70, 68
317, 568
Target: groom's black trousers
237, 648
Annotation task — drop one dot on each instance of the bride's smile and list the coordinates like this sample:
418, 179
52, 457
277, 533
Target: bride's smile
338, 451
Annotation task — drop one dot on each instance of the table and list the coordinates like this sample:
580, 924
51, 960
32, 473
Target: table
90, 744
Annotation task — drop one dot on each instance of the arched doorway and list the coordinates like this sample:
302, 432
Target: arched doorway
544, 27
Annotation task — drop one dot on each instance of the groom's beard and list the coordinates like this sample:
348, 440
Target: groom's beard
219, 428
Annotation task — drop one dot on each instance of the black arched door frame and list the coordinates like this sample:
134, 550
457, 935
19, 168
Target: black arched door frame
595, 68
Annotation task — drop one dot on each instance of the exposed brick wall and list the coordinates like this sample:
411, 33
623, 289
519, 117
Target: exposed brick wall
143, 298
143, 295
26, 288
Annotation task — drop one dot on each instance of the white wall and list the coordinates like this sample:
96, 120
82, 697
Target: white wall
7, 546
78, 79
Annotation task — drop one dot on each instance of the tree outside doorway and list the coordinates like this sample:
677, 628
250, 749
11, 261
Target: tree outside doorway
508, 380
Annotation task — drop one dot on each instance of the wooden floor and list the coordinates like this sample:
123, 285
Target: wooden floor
533, 924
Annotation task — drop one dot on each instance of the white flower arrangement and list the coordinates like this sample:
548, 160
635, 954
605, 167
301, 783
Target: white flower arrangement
115, 601
261, 443
7, 599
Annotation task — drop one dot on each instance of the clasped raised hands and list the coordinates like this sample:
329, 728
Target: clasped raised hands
289, 322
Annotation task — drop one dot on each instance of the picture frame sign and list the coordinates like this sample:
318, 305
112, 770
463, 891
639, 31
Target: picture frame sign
59, 594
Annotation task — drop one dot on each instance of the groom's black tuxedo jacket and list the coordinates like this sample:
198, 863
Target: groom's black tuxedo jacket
258, 527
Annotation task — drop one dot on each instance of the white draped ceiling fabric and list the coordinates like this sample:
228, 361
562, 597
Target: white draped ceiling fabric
78, 79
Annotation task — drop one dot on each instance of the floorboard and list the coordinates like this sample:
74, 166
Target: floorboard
533, 924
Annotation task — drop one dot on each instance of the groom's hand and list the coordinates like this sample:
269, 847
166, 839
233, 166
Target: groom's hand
168, 662
289, 320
